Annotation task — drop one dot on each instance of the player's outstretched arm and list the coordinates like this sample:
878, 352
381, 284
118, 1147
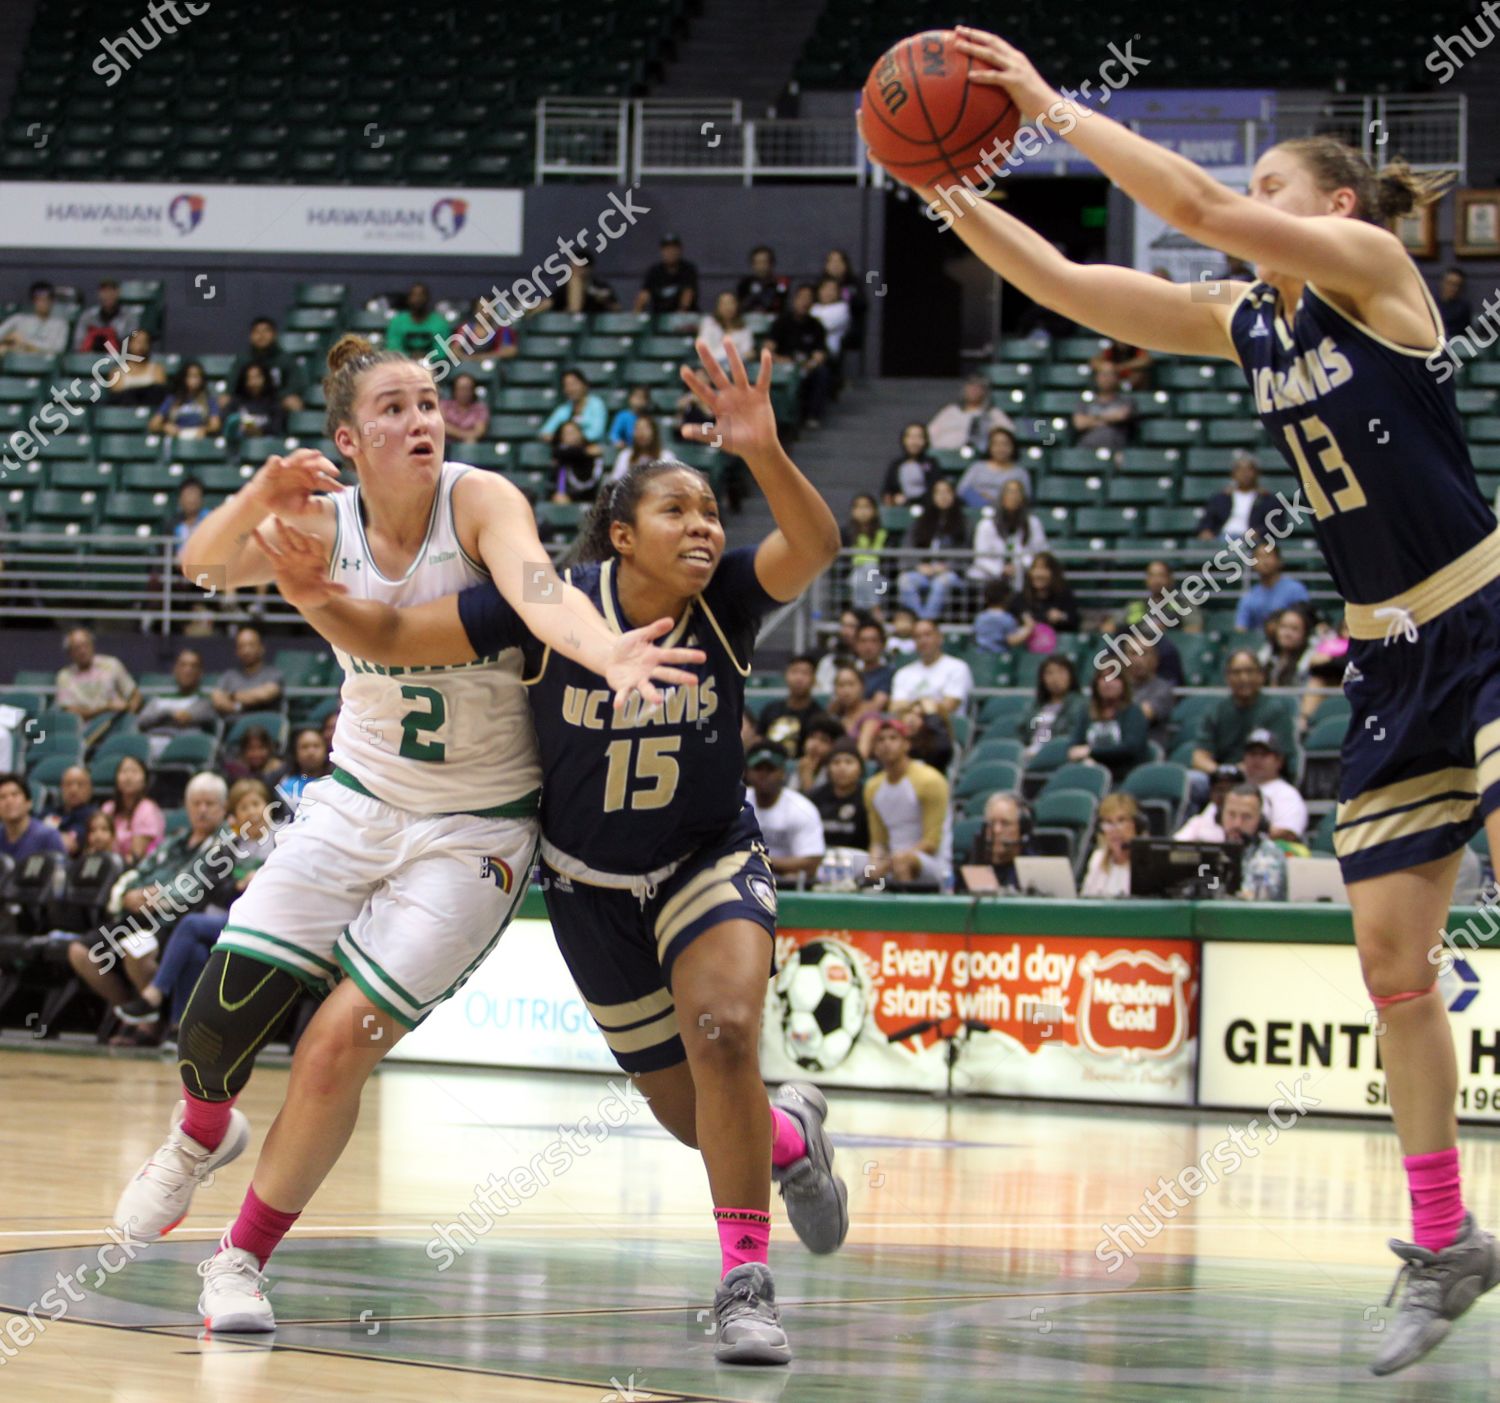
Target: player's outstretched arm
222, 552
422, 635
557, 614
806, 540
1342, 255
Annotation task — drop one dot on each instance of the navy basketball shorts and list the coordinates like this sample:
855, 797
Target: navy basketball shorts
620, 949
1421, 760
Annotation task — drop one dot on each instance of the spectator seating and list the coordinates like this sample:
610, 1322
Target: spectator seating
203, 107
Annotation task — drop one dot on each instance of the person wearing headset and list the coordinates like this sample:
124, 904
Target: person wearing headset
1262, 863
1006, 835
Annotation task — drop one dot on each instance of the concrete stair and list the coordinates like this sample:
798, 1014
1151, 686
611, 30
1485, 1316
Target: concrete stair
742, 49
860, 435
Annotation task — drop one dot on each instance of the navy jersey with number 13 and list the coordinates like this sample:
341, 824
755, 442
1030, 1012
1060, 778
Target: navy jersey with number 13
631, 792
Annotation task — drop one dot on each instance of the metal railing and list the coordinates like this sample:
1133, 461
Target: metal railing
1430, 131
65, 576
633, 139
582, 137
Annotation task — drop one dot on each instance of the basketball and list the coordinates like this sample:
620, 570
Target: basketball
924, 121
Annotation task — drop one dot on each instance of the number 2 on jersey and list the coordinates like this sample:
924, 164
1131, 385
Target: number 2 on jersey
1331, 460
415, 723
653, 761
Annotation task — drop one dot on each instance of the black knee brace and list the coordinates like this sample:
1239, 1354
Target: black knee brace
236, 1006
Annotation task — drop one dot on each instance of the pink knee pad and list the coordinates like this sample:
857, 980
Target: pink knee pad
1386, 1000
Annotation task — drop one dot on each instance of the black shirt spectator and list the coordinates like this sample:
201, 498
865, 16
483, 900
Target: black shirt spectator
74, 808
670, 285
107, 323
253, 410
1000, 842
1241, 509
283, 370
911, 473
783, 721
851, 290
1047, 597
1453, 306
798, 337
841, 801
763, 289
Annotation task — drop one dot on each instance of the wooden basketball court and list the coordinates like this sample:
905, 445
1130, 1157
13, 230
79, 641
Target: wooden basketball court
973, 1269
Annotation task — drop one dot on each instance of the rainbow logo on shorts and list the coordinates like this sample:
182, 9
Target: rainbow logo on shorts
499, 869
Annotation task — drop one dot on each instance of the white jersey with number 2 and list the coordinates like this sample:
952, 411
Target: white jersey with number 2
430, 740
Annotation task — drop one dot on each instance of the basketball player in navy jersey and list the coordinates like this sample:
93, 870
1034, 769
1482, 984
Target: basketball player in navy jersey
1332, 337
657, 883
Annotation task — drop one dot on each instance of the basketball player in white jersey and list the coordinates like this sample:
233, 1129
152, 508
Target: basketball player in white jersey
403, 868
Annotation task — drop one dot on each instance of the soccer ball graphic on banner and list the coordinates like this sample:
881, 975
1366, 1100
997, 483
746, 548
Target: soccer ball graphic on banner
823, 1000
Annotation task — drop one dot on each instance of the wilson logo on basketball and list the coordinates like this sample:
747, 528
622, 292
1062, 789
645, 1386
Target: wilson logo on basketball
892, 93
1133, 1004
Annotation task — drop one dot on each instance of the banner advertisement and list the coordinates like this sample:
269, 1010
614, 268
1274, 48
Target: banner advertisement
1272, 1012
519, 1009
184, 220
1080, 1017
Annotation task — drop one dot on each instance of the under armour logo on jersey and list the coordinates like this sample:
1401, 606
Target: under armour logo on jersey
1260, 328
346, 564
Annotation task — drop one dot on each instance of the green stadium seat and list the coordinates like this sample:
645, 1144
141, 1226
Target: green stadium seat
30, 363
1078, 348
81, 475
1172, 521
597, 347
322, 295
1161, 792
655, 374
1483, 428
1022, 349
1180, 376
1065, 377
1067, 815
197, 450
525, 400
537, 372
482, 455
1150, 461
1246, 433
1108, 522
563, 515
1008, 376
1066, 492
536, 346
630, 324
138, 508
1174, 433
76, 511
1087, 776
1141, 490
1209, 404
120, 419
568, 324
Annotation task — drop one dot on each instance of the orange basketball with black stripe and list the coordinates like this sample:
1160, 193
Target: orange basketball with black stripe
924, 121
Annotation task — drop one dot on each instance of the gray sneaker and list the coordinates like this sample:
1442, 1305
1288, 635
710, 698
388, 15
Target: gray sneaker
817, 1200
748, 1323
1440, 1287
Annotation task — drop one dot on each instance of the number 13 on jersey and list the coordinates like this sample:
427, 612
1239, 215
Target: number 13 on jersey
1331, 460
651, 760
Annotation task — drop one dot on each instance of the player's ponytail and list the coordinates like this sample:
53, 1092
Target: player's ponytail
348, 359
617, 501
1380, 196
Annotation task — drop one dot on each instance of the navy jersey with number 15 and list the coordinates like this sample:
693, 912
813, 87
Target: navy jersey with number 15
628, 792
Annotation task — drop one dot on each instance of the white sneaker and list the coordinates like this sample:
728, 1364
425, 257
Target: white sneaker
157, 1199
233, 1299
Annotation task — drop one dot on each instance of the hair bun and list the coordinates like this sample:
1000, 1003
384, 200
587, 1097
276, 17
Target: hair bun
348, 347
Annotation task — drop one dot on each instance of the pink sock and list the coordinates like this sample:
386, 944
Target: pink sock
259, 1228
1437, 1201
206, 1121
787, 1144
744, 1236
